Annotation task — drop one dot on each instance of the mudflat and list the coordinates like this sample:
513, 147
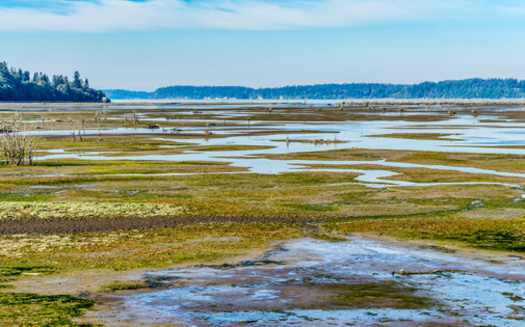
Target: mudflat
160, 192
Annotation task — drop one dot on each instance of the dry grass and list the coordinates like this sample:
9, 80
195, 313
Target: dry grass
75, 210
138, 249
17, 146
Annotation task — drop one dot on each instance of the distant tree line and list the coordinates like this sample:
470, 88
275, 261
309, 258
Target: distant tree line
475, 88
18, 85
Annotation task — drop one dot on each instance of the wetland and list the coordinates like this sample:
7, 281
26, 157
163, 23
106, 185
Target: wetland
265, 213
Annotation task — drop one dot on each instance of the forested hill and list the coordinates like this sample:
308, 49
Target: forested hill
18, 85
460, 89
127, 95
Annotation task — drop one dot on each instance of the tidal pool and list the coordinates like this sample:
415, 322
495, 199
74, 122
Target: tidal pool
361, 281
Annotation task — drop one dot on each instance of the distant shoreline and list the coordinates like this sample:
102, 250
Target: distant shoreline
334, 103
475, 88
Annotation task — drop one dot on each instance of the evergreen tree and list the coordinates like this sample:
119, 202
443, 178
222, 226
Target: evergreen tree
44, 79
77, 82
26, 77
56, 81
17, 85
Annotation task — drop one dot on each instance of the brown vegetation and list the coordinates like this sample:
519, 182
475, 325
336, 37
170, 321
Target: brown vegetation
17, 146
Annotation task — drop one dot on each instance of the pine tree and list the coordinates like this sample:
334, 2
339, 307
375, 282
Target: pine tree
77, 83
44, 79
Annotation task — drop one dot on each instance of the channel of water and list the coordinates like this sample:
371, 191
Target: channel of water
471, 136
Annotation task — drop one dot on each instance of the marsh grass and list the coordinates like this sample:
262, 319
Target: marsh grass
118, 285
498, 162
91, 143
76, 210
311, 207
428, 175
327, 194
490, 234
26, 309
420, 136
140, 249
321, 205
375, 295
11, 273
269, 181
78, 170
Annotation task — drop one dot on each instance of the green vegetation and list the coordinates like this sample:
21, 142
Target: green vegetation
69, 217
124, 250
420, 136
475, 88
25, 309
18, 85
11, 273
499, 162
375, 295
491, 234
77, 210
119, 285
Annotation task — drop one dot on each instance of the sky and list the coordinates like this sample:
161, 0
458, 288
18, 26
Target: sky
146, 44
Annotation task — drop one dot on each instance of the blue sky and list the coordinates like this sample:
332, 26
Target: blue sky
146, 44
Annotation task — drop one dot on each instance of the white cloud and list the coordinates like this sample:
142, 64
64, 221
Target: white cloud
116, 15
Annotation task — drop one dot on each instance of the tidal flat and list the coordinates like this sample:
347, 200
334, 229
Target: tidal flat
228, 213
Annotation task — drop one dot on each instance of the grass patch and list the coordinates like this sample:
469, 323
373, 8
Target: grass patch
76, 210
8, 274
491, 234
228, 147
373, 295
25, 309
498, 162
120, 144
311, 207
420, 136
118, 285
140, 249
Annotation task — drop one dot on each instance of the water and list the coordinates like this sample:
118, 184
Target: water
470, 288
470, 133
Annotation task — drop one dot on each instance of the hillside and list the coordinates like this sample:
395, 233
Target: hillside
475, 88
18, 85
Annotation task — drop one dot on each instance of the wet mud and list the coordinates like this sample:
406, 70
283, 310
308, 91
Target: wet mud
316, 283
76, 226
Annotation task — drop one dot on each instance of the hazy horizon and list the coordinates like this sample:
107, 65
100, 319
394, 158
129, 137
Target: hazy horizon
142, 45
293, 85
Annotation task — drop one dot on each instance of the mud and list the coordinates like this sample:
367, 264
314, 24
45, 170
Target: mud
75, 226
318, 283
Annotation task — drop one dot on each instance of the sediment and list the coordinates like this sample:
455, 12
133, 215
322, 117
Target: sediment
76, 226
